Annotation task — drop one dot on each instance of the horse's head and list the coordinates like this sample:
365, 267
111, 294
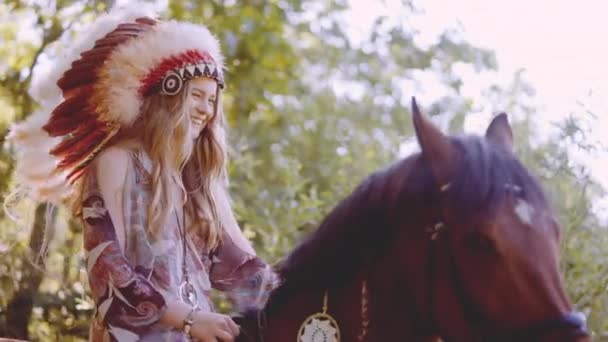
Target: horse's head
492, 270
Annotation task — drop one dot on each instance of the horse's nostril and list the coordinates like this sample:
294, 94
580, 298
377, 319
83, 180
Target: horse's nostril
578, 320
580, 316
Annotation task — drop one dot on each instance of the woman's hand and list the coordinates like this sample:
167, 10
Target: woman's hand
213, 327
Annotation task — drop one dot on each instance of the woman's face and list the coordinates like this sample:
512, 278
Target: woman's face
202, 102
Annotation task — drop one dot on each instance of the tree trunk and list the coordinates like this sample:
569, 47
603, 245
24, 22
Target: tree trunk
19, 309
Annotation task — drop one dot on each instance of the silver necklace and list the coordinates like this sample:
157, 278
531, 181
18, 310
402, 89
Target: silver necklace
187, 293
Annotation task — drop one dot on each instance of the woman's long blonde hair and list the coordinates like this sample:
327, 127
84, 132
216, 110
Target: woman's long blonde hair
196, 167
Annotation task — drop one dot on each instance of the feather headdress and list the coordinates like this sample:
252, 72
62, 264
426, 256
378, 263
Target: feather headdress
99, 90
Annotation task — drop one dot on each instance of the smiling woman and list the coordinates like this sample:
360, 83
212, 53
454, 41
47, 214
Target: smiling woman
138, 150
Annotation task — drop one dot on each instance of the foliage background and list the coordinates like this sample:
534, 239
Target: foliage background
311, 114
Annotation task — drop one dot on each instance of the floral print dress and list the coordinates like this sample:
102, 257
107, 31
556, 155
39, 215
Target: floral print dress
132, 284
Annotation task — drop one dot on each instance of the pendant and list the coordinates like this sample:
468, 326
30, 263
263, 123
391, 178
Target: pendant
188, 294
319, 327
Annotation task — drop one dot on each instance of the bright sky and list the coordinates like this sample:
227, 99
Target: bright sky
561, 45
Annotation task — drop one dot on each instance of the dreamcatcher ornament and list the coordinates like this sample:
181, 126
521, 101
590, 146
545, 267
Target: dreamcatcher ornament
319, 327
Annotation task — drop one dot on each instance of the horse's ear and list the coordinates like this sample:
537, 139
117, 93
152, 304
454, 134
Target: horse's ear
437, 149
499, 132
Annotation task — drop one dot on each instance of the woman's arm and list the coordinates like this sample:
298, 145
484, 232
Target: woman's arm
127, 303
236, 270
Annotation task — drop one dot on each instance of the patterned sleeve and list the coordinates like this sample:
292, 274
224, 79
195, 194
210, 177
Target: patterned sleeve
127, 303
244, 277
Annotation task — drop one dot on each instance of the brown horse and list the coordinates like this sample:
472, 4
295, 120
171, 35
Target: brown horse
456, 242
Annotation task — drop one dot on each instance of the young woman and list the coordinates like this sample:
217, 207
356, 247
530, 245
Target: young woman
137, 147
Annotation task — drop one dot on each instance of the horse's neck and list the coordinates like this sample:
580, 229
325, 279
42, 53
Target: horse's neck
372, 307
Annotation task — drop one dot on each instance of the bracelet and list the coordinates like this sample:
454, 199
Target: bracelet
188, 321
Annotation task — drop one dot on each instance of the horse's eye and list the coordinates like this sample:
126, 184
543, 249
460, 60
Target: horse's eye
479, 243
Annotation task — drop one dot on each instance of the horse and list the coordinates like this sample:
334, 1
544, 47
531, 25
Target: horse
456, 242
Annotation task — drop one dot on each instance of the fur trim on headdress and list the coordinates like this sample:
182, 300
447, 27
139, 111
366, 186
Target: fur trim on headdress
98, 88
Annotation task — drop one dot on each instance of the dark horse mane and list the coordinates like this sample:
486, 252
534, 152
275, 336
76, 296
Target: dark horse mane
359, 227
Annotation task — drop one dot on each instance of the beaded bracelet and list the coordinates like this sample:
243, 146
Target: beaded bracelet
188, 321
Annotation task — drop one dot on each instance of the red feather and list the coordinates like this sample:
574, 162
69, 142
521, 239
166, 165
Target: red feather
74, 104
82, 148
86, 71
81, 132
85, 63
60, 126
97, 52
133, 27
97, 55
77, 172
110, 41
146, 21
75, 79
124, 32
82, 74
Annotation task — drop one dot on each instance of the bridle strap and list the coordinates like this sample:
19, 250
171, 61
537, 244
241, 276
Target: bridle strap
471, 314
261, 324
364, 312
431, 282
471, 311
